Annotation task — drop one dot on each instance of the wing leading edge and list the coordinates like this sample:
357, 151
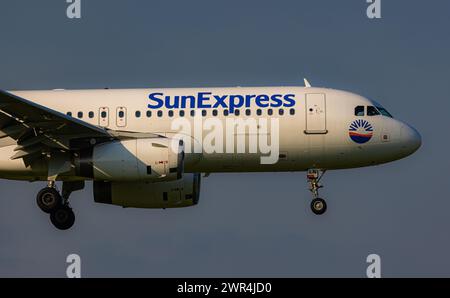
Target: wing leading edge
39, 130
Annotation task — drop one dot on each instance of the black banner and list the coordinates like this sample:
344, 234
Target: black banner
225, 287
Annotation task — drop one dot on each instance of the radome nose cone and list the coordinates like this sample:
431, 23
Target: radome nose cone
411, 138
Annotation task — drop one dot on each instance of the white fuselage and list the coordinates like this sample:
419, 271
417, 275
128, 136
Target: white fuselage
315, 126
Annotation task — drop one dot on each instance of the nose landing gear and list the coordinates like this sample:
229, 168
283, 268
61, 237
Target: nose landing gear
318, 205
52, 202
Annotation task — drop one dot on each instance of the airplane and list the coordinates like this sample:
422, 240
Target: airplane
125, 140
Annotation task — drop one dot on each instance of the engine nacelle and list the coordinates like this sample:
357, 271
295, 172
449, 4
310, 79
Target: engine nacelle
150, 159
172, 194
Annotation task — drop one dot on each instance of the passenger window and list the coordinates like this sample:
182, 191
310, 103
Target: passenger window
248, 112
270, 112
192, 113
225, 112
80, 115
149, 114
292, 111
103, 114
181, 113
203, 113
258, 112
121, 114
170, 113
69, 114
281, 112
359, 111
138, 114
160, 113
372, 111
91, 114
214, 112
237, 112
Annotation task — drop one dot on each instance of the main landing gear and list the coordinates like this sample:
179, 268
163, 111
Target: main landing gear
318, 205
52, 202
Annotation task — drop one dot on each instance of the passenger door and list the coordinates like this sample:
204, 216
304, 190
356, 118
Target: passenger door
316, 121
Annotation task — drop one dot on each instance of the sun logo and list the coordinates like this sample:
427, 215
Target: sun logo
360, 131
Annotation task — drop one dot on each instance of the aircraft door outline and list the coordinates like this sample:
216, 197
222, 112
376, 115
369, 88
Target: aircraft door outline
316, 114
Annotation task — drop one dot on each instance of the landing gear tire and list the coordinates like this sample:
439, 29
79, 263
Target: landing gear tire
48, 199
318, 206
63, 217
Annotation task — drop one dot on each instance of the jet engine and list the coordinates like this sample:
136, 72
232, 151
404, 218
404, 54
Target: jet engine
149, 160
171, 194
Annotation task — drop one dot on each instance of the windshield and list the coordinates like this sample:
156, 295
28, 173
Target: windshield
372, 111
384, 112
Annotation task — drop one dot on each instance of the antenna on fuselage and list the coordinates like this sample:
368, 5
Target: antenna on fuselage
307, 84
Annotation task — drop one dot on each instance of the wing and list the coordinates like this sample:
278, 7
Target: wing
39, 130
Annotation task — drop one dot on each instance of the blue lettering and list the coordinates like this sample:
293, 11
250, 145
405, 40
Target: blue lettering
176, 102
248, 99
159, 101
276, 101
289, 100
233, 103
220, 100
191, 101
202, 98
262, 101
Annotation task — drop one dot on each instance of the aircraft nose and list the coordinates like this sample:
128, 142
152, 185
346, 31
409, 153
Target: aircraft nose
411, 139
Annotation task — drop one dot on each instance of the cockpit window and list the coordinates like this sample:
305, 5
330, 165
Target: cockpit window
359, 111
384, 112
372, 111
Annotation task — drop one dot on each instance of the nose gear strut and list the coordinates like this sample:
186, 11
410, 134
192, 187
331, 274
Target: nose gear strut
318, 205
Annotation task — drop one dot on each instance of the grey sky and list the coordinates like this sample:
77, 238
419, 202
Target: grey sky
245, 224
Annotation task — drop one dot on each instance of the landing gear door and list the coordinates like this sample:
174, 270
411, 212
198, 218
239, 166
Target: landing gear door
103, 116
316, 116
